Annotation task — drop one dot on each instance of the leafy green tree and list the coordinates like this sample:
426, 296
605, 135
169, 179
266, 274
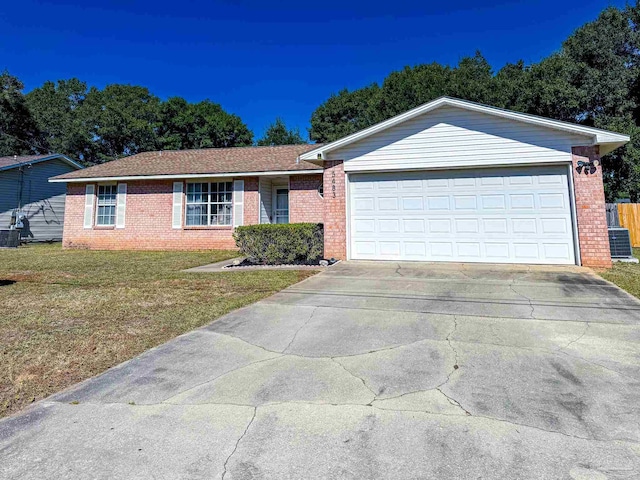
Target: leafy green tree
472, 79
349, 111
512, 87
121, 119
279, 134
18, 130
343, 114
408, 88
200, 125
603, 56
621, 168
55, 109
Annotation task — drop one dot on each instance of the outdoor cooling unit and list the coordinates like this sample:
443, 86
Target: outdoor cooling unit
620, 242
9, 238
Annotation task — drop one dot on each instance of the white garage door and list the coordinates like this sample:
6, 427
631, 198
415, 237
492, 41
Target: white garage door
510, 215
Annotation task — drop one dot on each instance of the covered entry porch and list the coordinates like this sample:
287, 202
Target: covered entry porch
290, 198
274, 199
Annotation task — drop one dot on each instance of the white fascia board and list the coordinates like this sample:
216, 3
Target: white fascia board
598, 137
183, 176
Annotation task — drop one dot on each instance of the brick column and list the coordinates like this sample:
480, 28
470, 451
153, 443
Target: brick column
335, 216
590, 207
251, 200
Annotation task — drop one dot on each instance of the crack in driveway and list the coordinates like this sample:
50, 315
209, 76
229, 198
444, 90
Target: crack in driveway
299, 329
235, 448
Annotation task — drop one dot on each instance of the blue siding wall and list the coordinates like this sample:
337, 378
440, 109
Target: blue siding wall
42, 202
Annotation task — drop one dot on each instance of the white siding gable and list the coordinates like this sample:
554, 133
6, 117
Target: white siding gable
451, 137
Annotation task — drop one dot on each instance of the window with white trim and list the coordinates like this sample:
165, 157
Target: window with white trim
106, 205
209, 204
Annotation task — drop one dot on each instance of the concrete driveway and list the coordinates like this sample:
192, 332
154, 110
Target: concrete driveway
366, 371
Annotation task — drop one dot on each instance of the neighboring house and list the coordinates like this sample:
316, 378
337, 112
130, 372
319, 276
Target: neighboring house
450, 180
25, 192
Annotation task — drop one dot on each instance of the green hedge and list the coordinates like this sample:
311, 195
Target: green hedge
291, 243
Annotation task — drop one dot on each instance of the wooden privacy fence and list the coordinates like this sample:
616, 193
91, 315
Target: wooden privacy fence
628, 216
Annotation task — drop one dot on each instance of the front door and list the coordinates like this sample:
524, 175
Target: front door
281, 205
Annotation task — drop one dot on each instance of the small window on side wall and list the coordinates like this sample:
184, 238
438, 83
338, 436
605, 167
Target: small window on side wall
106, 205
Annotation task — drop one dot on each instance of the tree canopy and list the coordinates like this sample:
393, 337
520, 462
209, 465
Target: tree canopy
18, 131
97, 125
278, 134
593, 79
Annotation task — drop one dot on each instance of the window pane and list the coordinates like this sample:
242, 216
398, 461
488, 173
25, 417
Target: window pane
197, 209
106, 194
197, 192
229, 187
214, 187
106, 203
106, 215
225, 215
196, 215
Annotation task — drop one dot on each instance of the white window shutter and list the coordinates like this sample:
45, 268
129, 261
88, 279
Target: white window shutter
238, 203
89, 193
177, 205
121, 205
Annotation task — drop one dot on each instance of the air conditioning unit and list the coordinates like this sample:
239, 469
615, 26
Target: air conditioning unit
620, 243
9, 238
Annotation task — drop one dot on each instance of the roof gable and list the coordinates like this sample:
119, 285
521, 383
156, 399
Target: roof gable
608, 141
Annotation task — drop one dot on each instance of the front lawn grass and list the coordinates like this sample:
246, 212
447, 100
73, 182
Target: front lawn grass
66, 315
625, 275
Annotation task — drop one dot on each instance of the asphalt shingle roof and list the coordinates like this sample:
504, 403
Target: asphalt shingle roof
204, 161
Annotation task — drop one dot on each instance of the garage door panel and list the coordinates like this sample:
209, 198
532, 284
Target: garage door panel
412, 203
515, 215
553, 226
550, 201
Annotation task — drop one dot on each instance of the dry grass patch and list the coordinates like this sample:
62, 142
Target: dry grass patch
625, 275
70, 314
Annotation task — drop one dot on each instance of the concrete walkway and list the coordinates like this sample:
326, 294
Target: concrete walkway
366, 371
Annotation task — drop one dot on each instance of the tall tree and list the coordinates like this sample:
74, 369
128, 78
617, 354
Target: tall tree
408, 88
121, 119
604, 64
18, 130
343, 114
278, 134
200, 125
55, 109
472, 79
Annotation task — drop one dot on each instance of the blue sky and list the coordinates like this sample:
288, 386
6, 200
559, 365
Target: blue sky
261, 61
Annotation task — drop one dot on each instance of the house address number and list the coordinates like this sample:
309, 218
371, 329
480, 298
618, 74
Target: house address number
333, 183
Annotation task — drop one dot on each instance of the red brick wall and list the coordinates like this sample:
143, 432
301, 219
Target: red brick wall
148, 221
251, 201
590, 207
305, 203
335, 219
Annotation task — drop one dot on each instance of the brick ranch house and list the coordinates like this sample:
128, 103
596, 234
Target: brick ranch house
450, 180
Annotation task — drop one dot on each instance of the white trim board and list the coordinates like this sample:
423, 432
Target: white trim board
186, 175
607, 140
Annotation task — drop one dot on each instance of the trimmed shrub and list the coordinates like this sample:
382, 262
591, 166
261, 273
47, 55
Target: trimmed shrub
276, 244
